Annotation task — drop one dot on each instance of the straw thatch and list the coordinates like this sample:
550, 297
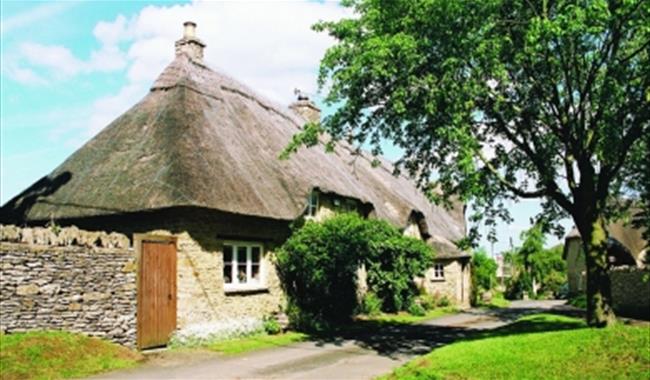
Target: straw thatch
201, 139
625, 244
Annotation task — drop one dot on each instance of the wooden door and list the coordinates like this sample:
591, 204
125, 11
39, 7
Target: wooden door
156, 291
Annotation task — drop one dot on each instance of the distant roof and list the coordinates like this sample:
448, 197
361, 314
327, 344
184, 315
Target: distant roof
629, 238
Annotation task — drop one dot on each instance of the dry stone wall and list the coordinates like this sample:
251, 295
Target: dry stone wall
631, 291
68, 279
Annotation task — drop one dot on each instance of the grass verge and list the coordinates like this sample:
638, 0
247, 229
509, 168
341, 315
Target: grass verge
255, 342
541, 346
406, 318
363, 324
498, 301
58, 354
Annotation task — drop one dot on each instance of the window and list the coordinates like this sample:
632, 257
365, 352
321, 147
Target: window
350, 205
312, 205
438, 271
242, 264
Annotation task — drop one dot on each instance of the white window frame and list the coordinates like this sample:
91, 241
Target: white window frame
235, 285
438, 271
313, 201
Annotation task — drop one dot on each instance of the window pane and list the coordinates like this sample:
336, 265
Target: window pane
227, 264
227, 273
241, 273
241, 254
255, 255
227, 254
255, 273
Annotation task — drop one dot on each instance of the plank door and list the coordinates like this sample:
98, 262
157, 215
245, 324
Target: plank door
156, 292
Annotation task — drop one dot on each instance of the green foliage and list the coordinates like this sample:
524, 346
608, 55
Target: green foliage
540, 346
272, 326
444, 301
550, 269
428, 301
500, 99
518, 285
484, 274
318, 267
392, 260
416, 310
371, 304
579, 301
531, 262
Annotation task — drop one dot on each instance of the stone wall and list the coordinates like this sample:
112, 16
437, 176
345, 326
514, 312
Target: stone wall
68, 279
456, 285
631, 291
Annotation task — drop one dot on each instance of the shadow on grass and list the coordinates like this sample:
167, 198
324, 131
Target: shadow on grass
397, 340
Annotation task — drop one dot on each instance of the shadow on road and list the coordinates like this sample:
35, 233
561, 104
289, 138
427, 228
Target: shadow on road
399, 340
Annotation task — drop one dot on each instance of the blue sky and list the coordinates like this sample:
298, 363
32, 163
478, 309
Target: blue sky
70, 68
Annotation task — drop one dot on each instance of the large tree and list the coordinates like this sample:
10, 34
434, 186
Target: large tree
495, 100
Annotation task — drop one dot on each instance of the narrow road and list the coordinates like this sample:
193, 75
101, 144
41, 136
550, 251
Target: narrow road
358, 356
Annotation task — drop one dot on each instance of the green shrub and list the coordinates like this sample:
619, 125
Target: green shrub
392, 261
518, 285
318, 268
371, 304
429, 301
484, 275
578, 301
444, 301
417, 310
272, 326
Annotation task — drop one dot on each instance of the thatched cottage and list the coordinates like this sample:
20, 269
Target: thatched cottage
628, 267
196, 160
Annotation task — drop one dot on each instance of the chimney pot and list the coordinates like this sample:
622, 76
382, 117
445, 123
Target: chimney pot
189, 44
190, 29
304, 107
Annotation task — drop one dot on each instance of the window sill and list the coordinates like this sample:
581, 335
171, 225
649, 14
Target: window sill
438, 279
252, 289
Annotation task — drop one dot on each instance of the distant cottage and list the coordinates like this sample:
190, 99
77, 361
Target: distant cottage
192, 173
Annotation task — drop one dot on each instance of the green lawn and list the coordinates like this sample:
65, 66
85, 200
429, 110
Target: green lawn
255, 342
57, 355
498, 301
541, 346
406, 318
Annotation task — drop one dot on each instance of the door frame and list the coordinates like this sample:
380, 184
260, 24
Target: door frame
138, 239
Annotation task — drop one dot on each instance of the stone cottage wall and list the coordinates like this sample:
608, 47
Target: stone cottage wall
456, 285
631, 292
71, 280
201, 294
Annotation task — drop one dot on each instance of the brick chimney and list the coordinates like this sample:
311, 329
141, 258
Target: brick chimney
189, 44
304, 107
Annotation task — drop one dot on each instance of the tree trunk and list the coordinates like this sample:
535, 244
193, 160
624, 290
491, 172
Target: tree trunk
599, 294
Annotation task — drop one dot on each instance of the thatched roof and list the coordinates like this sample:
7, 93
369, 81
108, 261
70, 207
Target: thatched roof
626, 242
200, 138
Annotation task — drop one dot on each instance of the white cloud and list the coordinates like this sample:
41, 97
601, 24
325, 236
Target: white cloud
57, 58
267, 45
25, 76
34, 15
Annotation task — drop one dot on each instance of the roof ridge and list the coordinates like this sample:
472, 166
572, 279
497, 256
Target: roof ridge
168, 79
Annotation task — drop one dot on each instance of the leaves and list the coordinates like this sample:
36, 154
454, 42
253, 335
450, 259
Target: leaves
498, 99
319, 263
